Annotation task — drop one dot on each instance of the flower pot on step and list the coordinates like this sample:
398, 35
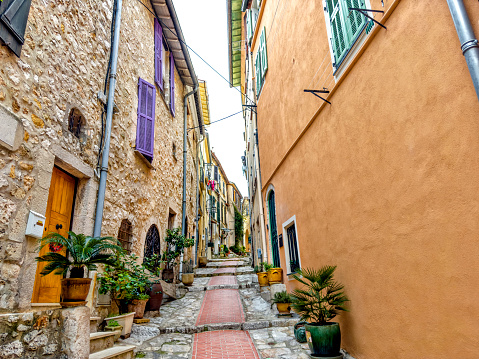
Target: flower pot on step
156, 297
168, 275
138, 306
263, 279
284, 308
275, 276
187, 278
117, 329
126, 321
203, 261
75, 289
324, 340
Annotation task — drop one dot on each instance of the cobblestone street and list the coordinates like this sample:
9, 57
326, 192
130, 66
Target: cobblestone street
221, 316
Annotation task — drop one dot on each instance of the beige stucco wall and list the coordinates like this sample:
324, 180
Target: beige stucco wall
63, 65
384, 182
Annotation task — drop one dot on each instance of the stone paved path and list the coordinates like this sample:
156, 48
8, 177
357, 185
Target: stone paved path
222, 316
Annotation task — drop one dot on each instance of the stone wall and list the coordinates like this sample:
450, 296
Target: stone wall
63, 66
50, 334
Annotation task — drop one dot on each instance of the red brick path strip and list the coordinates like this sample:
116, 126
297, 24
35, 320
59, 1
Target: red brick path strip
224, 344
225, 270
224, 279
221, 306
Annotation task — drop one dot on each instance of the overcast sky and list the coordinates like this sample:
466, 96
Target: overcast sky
204, 26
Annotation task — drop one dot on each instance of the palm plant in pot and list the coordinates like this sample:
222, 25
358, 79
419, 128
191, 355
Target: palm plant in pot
79, 252
283, 302
319, 300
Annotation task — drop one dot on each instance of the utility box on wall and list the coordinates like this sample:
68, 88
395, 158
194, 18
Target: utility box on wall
35, 225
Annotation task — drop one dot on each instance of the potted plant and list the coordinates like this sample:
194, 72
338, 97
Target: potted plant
262, 275
114, 326
283, 302
187, 277
128, 284
319, 301
275, 274
80, 252
176, 243
153, 264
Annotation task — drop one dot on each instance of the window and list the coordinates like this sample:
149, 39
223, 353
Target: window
75, 122
13, 21
261, 62
152, 242
345, 26
251, 20
125, 235
145, 128
159, 55
291, 249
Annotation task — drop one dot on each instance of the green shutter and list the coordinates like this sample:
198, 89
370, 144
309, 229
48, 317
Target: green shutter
264, 54
249, 25
258, 72
338, 32
355, 20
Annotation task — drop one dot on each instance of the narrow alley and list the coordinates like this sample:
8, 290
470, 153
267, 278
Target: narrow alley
221, 316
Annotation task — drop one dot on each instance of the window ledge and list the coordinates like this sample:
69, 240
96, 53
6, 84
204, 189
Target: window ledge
46, 305
144, 159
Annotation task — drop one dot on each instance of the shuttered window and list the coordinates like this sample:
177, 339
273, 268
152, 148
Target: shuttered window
145, 129
251, 19
261, 62
345, 25
13, 21
294, 263
172, 84
158, 55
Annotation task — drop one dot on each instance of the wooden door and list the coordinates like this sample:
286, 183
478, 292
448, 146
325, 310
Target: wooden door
58, 217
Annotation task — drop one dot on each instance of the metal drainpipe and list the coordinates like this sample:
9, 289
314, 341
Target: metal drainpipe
185, 152
469, 46
197, 160
109, 116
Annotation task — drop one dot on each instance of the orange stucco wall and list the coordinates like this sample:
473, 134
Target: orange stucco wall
384, 182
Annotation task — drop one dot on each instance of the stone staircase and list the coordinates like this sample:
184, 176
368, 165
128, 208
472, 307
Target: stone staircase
102, 345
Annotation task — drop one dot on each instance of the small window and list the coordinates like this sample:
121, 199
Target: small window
125, 235
152, 242
293, 262
76, 122
261, 62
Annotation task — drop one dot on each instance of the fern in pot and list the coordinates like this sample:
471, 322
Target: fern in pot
318, 301
74, 254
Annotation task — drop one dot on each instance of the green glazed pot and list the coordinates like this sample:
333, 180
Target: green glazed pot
324, 340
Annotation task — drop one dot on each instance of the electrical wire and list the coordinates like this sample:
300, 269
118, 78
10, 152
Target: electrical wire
221, 119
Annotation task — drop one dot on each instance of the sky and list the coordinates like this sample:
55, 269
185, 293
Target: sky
204, 26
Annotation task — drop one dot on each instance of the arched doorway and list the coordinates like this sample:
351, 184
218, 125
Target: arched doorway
273, 230
152, 242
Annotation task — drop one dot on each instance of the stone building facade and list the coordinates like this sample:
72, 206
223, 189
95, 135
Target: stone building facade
55, 82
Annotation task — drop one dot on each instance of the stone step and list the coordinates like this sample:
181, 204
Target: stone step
116, 352
231, 264
223, 286
101, 340
210, 272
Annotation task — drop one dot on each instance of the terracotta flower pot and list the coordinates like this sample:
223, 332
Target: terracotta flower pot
126, 321
75, 289
203, 261
187, 278
118, 329
263, 279
275, 275
138, 306
283, 308
156, 297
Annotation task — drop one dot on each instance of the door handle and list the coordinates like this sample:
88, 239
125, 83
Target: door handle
58, 226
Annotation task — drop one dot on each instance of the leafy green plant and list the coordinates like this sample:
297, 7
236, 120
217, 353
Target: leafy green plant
176, 243
258, 268
321, 298
113, 323
82, 252
239, 250
267, 266
126, 280
282, 297
153, 264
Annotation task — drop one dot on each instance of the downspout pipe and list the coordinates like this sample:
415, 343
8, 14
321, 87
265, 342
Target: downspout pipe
197, 162
185, 152
469, 45
109, 118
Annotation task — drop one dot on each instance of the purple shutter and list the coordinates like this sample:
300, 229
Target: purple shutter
145, 129
172, 84
158, 55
